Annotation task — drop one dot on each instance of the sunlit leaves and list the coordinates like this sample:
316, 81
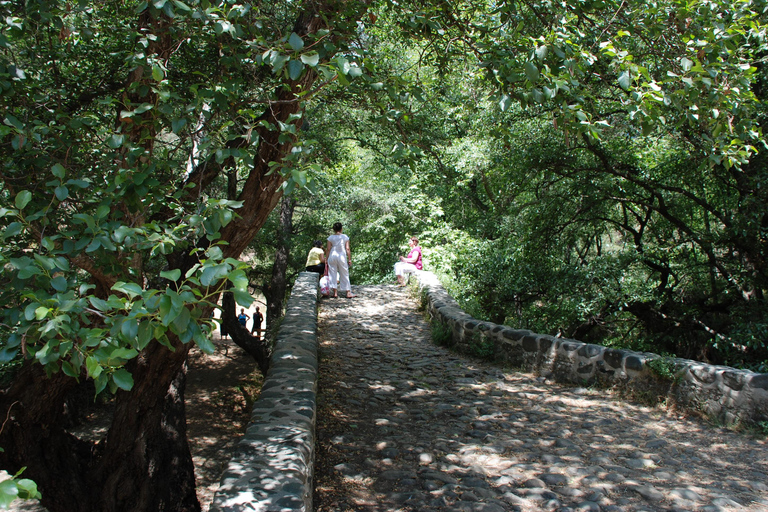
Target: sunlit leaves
17, 488
666, 69
59, 313
310, 59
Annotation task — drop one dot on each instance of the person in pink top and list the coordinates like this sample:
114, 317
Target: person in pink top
409, 264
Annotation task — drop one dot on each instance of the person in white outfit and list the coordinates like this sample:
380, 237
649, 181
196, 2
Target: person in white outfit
339, 258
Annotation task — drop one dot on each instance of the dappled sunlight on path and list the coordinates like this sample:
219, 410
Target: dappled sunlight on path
221, 388
404, 425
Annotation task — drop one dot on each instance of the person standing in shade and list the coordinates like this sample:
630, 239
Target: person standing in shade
409, 264
339, 258
316, 258
242, 317
257, 319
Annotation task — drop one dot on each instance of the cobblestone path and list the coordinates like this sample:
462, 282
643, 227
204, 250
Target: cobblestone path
404, 425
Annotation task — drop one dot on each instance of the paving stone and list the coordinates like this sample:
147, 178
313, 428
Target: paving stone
449, 433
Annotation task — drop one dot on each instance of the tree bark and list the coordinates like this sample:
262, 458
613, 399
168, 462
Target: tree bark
275, 291
255, 347
144, 463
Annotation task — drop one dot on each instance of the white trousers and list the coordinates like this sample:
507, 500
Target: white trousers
402, 268
338, 271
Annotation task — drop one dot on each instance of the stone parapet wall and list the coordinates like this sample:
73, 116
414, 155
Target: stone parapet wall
727, 395
272, 468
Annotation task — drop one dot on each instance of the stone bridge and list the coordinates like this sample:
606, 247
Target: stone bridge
389, 421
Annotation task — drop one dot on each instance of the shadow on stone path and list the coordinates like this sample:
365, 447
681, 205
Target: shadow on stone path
404, 425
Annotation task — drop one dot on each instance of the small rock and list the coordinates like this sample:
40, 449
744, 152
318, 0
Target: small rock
534, 483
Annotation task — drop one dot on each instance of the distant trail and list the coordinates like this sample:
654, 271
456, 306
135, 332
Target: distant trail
404, 425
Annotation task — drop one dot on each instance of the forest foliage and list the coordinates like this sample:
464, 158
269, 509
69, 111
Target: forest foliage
593, 169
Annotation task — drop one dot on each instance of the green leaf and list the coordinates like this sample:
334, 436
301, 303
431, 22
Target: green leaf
13, 229
123, 379
8, 492
58, 171
181, 322
157, 73
61, 192
171, 275
296, 42
12, 121
295, 68
98, 303
278, 61
178, 124
182, 6
59, 283
625, 80
100, 382
531, 71
168, 10
69, 370
23, 198
129, 328
242, 297
343, 65
205, 344
145, 334
27, 488
300, 177
505, 102
8, 354
310, 59
115, 140
130, 289
170, 306
213, 274
239, 279
215, 253
93, 367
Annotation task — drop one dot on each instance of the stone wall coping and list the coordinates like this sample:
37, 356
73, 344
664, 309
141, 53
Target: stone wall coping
729, 395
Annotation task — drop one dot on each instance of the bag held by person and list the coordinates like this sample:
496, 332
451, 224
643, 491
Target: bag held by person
325, 284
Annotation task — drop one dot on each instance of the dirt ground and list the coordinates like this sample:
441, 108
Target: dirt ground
221, 388
220, 391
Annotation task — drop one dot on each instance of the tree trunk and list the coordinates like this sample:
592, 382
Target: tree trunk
32, 436
144, 462
275, 291
256, 347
